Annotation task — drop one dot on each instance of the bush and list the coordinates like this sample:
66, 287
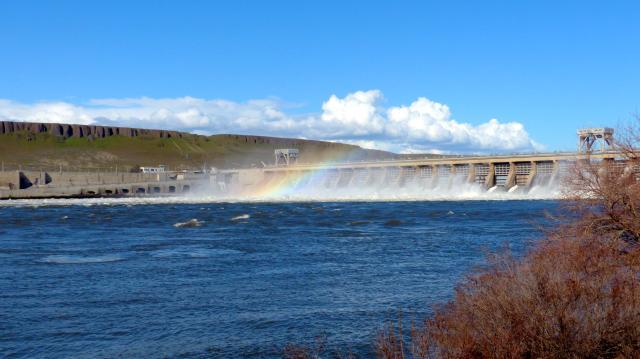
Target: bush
315, 351
567, 298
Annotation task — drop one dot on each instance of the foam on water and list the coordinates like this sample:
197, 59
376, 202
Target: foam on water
190, 223
72, 259
35, 203
193, 252
237, 218
454, 191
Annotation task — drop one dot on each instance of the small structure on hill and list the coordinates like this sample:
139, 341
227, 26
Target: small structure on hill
286, 156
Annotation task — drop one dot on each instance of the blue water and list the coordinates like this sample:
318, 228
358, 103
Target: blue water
122, 281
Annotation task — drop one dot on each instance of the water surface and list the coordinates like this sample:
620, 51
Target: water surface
122, 280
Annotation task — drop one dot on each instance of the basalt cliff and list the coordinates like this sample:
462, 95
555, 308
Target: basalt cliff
67, 131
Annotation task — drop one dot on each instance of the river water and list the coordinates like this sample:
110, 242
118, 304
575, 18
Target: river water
118, 279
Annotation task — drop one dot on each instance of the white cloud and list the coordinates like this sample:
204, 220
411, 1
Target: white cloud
358, 118
356, 114
48, 112
431, 122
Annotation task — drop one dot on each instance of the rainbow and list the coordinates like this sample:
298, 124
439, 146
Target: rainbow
292, 182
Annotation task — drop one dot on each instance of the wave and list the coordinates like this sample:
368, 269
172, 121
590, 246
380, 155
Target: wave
193, 252
237, 218
71, 259
189, 224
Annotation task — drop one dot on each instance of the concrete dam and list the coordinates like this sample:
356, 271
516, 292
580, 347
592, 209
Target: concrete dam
413, 178
452, 177
515, 173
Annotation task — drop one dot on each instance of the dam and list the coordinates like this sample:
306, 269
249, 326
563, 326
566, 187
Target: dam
287, 176
502, 173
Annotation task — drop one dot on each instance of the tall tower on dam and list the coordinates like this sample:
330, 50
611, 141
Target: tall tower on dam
590, 137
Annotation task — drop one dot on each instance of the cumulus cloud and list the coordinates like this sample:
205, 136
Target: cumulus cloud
431, 122
48, 112
359, 118
356, 114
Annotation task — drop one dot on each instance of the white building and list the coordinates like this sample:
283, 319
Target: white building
159, 169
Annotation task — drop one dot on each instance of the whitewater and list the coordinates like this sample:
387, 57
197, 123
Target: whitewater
211, 194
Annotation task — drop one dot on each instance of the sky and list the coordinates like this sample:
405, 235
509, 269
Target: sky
406, 76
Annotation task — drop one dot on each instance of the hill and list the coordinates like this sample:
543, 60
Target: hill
49, 146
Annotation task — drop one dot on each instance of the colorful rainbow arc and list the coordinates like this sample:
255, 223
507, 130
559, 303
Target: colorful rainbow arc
290, 183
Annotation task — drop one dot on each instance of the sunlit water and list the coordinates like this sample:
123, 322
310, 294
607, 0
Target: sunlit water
135, 278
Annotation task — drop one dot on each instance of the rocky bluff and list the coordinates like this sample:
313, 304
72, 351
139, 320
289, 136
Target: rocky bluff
94, 131
67, 131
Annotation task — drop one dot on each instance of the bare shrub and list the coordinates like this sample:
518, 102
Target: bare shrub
567, 298
296, 351
315, 351
605, 195
390, 341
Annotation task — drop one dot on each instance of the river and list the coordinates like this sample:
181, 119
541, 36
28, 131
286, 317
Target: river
84, 278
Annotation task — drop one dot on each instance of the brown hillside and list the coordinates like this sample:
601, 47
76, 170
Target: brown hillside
46, 146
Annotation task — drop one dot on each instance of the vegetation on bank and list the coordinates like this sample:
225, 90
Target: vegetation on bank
576, 294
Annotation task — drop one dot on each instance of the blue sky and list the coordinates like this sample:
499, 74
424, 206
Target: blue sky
272, 68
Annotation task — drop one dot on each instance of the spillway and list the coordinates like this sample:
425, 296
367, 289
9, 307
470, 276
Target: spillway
416, 178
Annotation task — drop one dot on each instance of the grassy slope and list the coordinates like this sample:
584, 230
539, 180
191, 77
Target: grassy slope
191, 151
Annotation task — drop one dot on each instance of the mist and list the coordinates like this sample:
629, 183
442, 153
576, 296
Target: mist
326, 185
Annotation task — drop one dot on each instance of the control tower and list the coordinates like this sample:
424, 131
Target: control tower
286, 156
588, 137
